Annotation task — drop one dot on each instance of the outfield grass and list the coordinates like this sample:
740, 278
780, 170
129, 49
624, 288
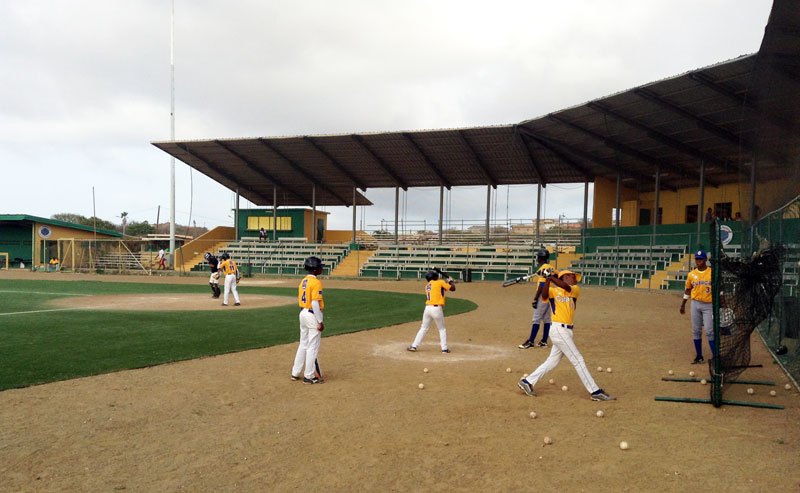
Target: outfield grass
45, 347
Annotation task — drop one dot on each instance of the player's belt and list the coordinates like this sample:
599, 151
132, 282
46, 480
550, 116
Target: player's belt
563, 325
435, 305
309, 310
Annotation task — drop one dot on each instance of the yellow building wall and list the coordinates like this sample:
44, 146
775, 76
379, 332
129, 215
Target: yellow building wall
605, 199
58, 233
307, 224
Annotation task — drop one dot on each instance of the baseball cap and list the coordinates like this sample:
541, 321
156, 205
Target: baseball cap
565, 272
700, 254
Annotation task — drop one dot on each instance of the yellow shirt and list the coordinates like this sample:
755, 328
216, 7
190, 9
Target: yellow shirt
544, 266
563, 302
434, 292
310, 289
228, 267
700, 284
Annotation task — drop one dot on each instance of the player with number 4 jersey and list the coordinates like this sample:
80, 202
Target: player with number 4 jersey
309, 298
434, 309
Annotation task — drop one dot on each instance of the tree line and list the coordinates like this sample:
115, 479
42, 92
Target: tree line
128, 228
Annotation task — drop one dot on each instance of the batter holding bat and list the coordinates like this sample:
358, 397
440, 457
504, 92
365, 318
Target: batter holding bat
434, 308
561, 292
541, 309
229, 269
309, 297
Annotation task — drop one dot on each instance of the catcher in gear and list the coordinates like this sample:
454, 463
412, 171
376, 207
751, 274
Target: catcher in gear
541, 309
213, 281
434, 309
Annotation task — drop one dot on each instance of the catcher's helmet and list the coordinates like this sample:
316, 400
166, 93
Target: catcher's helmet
207, 256
225, 256
313, 263
431, 275
542, 253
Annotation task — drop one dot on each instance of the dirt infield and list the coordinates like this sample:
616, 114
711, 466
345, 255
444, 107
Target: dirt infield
236, 422
166, 302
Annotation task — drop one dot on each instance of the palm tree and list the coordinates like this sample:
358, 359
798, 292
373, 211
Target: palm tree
124, 217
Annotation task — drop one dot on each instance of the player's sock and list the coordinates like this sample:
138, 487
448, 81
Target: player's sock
698, 347
545, 333
534, 331
713, 347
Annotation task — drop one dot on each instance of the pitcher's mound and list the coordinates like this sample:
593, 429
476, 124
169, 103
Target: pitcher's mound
169, 302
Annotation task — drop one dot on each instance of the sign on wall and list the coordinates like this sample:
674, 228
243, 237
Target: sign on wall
45, 232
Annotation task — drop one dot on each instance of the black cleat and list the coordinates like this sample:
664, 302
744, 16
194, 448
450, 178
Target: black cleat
309, 381
526, 345
697, 360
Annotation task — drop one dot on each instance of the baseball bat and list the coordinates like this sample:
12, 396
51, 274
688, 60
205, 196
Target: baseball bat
517, 280
445, 276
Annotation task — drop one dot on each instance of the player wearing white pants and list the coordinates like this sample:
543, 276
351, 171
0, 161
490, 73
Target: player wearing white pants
229, 269
230, 287
563, 296
432, 313
434, 309
308, 350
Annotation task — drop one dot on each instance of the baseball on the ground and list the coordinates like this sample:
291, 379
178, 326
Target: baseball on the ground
751, 391
524, 375
773, 393
787, 387
552, 381
532, 415
671, 372
608, 370
421, 386
425, 370
548, 440
703, 381
564, 388
600, 414
691, 373
623, 445
599, 368
508, 370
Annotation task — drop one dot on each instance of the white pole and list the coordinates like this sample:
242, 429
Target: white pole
172, 136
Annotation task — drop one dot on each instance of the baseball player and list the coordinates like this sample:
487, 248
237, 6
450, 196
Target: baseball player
213, 281
434, 309
698, 286
541, 309
562, 291
309, 297
161, 258
229, 269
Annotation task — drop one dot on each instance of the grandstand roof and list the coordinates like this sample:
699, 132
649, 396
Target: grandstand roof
725, 116
26, 218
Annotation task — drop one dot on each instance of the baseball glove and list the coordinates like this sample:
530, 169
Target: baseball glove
216, 275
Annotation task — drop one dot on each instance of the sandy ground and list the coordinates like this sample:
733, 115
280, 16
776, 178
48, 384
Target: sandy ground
237, 423
167, 302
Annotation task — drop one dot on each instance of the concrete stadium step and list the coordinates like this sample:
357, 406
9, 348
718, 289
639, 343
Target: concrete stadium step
352, 263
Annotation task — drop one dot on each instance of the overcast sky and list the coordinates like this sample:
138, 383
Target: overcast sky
86, 86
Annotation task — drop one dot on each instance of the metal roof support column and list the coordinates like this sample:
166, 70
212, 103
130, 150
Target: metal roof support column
702, 193
313, 213
275, 214
235, 217
538, 210
354, 214
616, 229
488, 210
585, 214
396, 212
655, 221
441, 207
753, 217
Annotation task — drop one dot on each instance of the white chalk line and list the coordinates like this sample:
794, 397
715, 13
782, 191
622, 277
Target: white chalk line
45, 292
432, 352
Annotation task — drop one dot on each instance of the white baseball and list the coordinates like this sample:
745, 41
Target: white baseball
599, 368
548, 440
508, 370
671, 372
421, 386
623, 445
524, 375
425, 370
552, 381
773, 393
532, 415
751, 391
608, 370
600, 414
564, 388
703, 381
787, 387
691, 373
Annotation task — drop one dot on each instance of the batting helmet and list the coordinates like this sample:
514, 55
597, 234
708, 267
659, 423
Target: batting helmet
542, 254
225, 256
431, 275
207, 256
313, 263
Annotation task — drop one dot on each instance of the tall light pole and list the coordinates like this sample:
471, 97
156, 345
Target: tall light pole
172, 135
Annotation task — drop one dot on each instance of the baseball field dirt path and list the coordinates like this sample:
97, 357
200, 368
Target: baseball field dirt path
237, 423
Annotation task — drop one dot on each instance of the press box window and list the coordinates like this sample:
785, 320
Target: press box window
255, 223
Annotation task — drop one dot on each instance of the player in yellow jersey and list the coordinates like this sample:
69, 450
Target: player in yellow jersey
309, 297
229, 269
434, 309
698, 287
562, 293
541, 309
